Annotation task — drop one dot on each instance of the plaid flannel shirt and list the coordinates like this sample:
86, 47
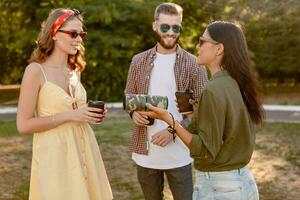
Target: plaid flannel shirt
188, 74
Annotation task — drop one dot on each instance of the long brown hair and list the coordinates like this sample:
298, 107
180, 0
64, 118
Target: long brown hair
45, 43
237, 62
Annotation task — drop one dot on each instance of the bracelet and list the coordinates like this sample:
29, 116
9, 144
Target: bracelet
53, 121
172, 129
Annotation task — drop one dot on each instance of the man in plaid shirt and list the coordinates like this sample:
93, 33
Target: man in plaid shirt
163, 70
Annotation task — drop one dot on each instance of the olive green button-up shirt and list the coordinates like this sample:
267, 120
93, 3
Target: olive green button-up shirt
223, 136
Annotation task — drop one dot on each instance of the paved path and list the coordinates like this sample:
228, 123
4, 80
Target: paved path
274, 113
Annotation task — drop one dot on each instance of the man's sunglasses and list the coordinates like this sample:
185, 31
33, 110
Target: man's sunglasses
166, 27
74, 34
202, 40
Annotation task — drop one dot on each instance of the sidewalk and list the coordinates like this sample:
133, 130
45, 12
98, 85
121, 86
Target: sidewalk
274, 113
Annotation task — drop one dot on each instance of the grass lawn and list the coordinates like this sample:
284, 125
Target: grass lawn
282, 95
275, 162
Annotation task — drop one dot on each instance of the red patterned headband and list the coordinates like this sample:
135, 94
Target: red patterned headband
62, 19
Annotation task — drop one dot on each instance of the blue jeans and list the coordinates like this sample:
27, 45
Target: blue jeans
234, 185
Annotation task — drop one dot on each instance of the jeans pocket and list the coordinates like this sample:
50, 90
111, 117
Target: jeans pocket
252, 191
196, 193
202, 193
227, 192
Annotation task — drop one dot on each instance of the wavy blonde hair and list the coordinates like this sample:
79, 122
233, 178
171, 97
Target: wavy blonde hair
45, 43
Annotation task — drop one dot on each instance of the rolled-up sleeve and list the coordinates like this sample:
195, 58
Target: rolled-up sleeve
207, 127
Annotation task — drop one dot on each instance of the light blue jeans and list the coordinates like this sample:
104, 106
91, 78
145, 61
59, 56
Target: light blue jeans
232, 185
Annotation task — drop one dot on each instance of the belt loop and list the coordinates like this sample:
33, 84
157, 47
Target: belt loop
207, 175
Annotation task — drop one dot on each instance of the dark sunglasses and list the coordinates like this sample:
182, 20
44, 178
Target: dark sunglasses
202, 40
74, 34
166, 27
76, 12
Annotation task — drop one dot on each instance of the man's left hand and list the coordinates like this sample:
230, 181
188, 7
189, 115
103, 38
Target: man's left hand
162, 138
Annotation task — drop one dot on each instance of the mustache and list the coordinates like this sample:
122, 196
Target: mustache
171, 36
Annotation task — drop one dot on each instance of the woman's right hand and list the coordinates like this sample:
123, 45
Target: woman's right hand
156, 112
88, 114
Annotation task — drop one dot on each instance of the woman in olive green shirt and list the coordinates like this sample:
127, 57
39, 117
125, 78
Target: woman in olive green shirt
221, 136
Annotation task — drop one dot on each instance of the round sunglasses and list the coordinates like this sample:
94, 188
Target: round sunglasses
74, 34
166, 27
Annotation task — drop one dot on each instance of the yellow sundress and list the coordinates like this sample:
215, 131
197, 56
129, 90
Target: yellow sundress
66, 160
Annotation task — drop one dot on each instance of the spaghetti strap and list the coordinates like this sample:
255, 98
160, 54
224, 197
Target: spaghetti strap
42, 71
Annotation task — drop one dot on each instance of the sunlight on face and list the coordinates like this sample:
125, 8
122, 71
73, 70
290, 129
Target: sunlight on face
169, 39
206, 51
65, 42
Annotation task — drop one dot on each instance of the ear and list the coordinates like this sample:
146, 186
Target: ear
220, 49
154, 26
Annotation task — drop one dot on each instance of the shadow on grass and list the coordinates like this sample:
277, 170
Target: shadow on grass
275, 163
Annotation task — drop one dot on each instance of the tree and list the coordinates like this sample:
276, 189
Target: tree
118, 29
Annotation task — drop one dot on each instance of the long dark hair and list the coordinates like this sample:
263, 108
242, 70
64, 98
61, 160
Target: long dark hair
237, 62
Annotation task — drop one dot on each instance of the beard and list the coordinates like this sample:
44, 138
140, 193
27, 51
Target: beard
160, 40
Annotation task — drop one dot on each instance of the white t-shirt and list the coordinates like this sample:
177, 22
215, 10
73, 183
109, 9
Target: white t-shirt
173, 155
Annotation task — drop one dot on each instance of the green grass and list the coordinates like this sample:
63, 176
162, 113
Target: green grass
276, 139
113, 136
23, 191
114, 130
280, 99
272, 88
281, 94
8, 128
280, 139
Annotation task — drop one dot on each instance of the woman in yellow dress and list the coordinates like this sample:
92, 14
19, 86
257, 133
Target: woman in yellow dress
66, 161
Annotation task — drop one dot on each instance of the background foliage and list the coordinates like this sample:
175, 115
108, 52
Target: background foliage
118, 29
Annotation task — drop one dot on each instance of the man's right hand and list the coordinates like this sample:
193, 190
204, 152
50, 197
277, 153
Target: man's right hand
139, 119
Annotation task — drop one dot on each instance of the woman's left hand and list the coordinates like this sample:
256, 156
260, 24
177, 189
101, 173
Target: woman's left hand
104, 114
194, 103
